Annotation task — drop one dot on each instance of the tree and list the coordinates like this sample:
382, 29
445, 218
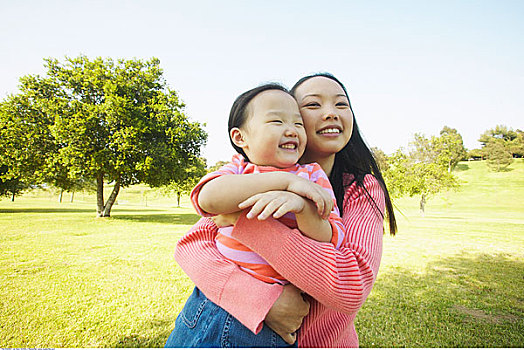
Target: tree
516, 146
475, 154
498, 156
381, 158
10, 187
424, 171
185, 185
451, 147
25, 135
513, 140
114, 122
500, 132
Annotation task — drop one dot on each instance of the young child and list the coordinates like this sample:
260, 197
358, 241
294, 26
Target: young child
266, 128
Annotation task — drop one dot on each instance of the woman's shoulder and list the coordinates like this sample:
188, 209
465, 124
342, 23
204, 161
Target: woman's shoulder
371, 186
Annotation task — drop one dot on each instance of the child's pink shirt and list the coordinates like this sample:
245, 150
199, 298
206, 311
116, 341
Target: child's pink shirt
247, 259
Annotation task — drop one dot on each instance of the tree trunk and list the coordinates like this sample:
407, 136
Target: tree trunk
60, 196
100, 195
178, 199
72, 196
423, 204
111, 199
13, 197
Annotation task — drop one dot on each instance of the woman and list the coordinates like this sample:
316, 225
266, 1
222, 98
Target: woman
330, 285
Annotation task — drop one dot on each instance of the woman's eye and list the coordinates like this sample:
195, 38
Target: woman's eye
342, 104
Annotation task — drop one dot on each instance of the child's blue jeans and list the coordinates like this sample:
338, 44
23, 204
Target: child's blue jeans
203, 324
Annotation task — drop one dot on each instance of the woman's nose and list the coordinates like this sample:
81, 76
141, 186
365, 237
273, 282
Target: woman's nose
331, 115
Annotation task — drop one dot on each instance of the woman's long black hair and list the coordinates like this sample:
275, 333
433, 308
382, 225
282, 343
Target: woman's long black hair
355, 158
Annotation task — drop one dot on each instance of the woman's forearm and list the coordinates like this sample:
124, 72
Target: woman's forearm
340, 279
312, 225
221, 280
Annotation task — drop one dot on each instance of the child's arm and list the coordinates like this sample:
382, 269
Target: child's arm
278, 203
219, 193
223, 194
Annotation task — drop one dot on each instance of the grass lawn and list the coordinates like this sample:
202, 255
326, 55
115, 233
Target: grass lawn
453, 278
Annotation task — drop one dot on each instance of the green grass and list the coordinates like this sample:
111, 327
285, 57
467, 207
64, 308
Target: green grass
454, 278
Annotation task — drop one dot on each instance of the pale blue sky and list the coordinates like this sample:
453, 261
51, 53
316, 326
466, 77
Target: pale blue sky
409, 66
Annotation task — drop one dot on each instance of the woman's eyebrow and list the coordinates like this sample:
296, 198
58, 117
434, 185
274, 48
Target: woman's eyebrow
318, 95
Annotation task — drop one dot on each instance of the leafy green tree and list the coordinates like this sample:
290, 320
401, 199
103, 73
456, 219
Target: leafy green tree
25, 136
498, 156
380, 157
424, 171
475, 154
451, 147
500, 132
513, 140
111, 122
10, 187
516, 146
185, 185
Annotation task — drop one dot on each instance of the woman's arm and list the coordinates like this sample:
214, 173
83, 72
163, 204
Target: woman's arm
340, 279
222, 281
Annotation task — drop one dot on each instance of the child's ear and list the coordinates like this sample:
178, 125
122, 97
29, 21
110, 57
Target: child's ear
237, 137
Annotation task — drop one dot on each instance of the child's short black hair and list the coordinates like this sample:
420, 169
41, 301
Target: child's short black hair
239, 112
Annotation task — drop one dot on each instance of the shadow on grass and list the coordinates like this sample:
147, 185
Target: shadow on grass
175, 219
158, 340
460, 301
461, 167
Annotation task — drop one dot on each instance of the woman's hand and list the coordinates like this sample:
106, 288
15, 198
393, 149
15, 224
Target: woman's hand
286, 315
314, 192
273, 203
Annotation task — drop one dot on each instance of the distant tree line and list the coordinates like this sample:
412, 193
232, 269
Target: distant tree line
90, 122
426, 168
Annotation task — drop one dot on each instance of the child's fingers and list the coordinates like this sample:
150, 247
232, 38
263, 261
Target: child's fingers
250, 201
318, 200
269, 209
282, 210
257, 208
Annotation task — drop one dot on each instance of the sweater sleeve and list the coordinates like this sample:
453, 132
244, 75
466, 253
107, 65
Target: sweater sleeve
222, 281
340, 279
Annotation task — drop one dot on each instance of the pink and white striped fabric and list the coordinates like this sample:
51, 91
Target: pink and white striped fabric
247, 259
337, 281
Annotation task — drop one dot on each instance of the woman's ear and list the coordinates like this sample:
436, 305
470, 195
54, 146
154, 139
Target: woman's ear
237, 137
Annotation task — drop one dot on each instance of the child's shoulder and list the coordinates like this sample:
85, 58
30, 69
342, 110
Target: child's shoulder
311, 168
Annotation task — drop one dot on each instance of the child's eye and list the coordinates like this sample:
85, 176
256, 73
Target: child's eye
299, 124
276, 121
312, 104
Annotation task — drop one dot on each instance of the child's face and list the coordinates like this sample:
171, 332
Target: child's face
274, 133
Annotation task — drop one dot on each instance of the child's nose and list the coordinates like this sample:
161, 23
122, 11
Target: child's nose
291, 131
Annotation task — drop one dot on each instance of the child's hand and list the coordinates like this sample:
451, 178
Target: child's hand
224, 220
273, 203
314, 192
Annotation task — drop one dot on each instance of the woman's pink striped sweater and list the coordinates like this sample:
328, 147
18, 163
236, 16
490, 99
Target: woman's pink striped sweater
337, 281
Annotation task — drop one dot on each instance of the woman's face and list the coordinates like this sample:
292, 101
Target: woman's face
328, 119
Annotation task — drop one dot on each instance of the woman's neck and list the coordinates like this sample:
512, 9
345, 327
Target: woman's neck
325, 162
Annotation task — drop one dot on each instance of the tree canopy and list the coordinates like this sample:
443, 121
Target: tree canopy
99, 120
424, 170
